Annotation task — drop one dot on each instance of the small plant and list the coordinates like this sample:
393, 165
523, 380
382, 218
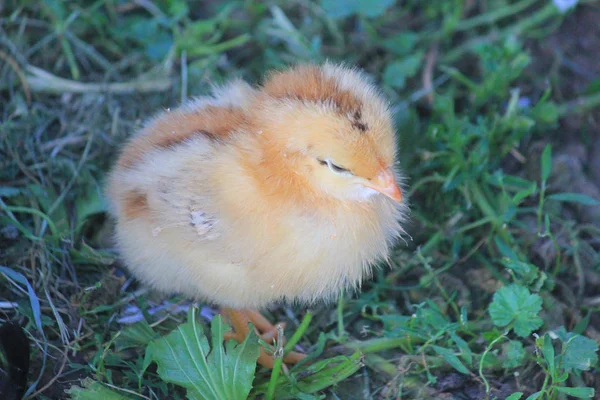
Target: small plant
185, 358
515, 308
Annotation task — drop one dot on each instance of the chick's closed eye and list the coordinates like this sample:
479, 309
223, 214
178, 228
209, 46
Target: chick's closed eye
333, 167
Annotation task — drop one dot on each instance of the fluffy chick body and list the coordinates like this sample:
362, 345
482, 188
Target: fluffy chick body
222, 200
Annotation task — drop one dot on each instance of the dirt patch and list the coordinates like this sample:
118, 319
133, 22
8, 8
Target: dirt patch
572, 52
569, 57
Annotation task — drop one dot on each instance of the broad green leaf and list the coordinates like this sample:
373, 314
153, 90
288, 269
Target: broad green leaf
92, 390
433, 316
46, 196
574, 198
56, 10
579, 392
185, 358
337, 9
579, 353
514, 354
451, 358
156, 39
513, 304
402, 43
515, 396
90, 203
136, 335
160, 46
372, 8
396, 73
546, 162
546, 112
524, 271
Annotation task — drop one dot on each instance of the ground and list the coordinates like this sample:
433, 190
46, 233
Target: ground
493, 291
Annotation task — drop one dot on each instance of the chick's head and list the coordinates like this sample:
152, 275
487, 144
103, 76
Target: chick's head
334, 129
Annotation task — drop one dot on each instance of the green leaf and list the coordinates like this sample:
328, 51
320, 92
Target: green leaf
579, 353
91, 203
185, 359
402, 43
178, 8
315, 377
396, 73
337, 9
56, 10
8, 191
136, 335
451, 358
505, 249
513, 304
33, 299
579, 392
522, 194
156, 39
514, 354
582, 324
546, 162
524, 271
373, 8
46, 196
92, 390
534, 396
463, 346
546, 112
574, 198
561, 378
548, 352
593, 87
515, 396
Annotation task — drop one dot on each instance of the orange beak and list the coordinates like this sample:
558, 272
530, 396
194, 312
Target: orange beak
385, 183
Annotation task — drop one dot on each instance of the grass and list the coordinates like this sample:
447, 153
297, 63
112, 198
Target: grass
495, 293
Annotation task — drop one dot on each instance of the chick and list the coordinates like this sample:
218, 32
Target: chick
282, 193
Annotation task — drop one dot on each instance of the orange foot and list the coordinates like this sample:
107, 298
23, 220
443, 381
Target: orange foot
266, 330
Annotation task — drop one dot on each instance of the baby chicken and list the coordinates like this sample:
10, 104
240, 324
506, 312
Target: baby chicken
284, 192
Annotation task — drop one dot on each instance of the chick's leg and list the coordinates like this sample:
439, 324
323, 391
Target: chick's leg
266, 330
239, 322
264, 326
